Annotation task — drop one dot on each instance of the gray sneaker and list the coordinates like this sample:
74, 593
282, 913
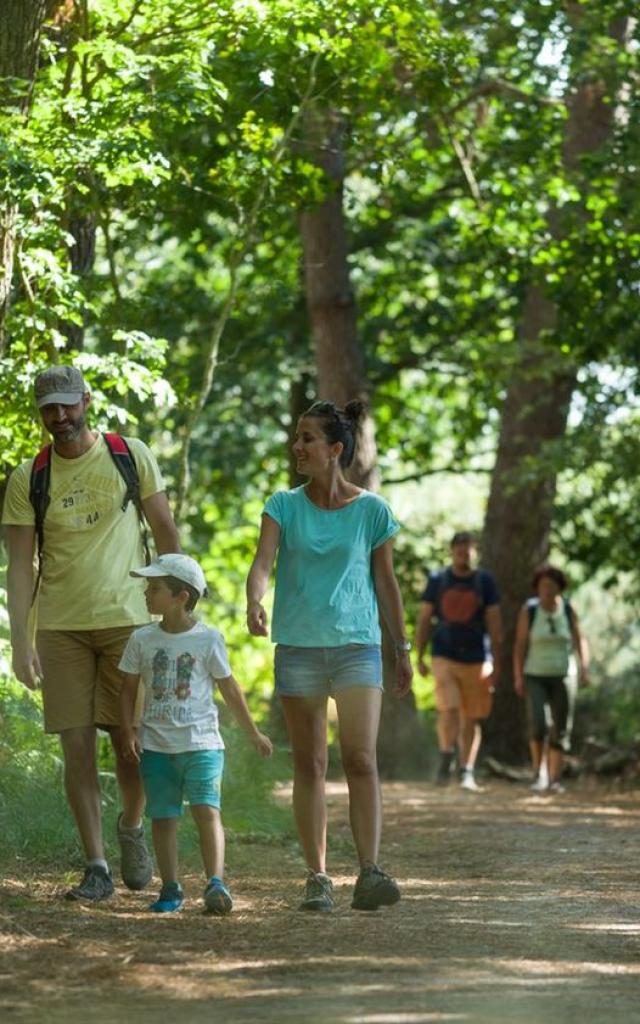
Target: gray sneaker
374, 888
96, 885
136, 866
318, 892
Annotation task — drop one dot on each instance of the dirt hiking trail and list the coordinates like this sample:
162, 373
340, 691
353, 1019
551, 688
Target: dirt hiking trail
516, 908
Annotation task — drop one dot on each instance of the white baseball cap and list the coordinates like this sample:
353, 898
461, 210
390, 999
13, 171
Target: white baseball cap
180, 566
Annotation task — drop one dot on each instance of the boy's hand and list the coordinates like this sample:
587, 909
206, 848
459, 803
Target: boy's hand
262, 744
130, 745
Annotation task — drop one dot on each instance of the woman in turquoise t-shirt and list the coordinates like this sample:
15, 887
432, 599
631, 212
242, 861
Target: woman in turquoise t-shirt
335, 569
547, 632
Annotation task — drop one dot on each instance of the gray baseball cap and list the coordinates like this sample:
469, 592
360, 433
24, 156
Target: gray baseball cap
59, 385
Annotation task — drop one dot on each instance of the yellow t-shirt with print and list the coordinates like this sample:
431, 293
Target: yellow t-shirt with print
90, 544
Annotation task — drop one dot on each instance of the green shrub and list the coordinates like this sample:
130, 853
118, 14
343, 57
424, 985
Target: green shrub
36, 826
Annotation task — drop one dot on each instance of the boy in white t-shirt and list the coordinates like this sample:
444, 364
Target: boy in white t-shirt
178, 745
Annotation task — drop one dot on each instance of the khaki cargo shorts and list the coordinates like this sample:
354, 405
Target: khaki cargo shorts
81, 680
462, 687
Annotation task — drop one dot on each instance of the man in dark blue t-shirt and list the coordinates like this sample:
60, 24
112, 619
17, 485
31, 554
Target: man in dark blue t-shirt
464, 601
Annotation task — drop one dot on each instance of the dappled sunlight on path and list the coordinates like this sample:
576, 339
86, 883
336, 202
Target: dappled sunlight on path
516, 908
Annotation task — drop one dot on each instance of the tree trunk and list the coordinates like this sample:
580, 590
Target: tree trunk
20, 27
518, 521
341, 377
330, 299
298, 403
534, 420
82, 228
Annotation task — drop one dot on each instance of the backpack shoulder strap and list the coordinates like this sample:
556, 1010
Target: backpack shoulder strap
569, 612
39, 496
532, 608
125, 463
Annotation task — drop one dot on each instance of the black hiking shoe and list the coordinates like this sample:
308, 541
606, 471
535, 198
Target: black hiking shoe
374, 888
96, 885
136, 866
318, 893
443, 775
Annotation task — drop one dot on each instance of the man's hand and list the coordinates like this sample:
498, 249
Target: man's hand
518, 685
404, 674
257, 619
130, 745
423, 665
26, 666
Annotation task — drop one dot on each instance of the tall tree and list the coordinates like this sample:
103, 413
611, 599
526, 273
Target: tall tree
341, 378
536, 405
20, 31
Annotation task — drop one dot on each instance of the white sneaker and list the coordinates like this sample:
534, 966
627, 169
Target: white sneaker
539, 786
557, 787
468, 782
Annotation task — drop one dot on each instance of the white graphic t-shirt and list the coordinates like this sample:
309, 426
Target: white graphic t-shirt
178, 671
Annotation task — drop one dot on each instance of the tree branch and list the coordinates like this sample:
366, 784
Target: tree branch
498, 87
457, 469
235, 263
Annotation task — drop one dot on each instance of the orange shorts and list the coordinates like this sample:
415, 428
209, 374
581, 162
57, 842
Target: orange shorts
81, 680
462, 687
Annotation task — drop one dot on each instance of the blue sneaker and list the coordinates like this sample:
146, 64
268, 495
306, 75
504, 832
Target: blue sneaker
171, 898
217, 898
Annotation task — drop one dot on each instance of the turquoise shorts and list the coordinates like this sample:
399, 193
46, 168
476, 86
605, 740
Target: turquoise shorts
170, 779
322, 671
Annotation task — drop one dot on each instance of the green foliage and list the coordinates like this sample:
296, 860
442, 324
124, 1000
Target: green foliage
154, 132
35, 822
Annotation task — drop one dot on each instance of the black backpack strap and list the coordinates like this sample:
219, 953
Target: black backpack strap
126, 466
39, 496
532, 607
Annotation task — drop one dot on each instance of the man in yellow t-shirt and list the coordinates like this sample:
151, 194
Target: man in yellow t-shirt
87, 607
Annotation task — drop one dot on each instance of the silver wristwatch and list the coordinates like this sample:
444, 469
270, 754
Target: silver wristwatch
403, 647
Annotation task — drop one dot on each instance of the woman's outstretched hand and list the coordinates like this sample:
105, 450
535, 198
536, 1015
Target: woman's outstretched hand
257, 620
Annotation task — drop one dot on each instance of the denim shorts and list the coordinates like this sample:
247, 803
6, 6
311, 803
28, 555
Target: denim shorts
321, 671
169, 779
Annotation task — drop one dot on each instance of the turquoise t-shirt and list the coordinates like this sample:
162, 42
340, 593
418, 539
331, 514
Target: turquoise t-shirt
325, 594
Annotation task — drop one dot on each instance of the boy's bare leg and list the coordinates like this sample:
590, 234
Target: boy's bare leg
165, 844
211, 832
